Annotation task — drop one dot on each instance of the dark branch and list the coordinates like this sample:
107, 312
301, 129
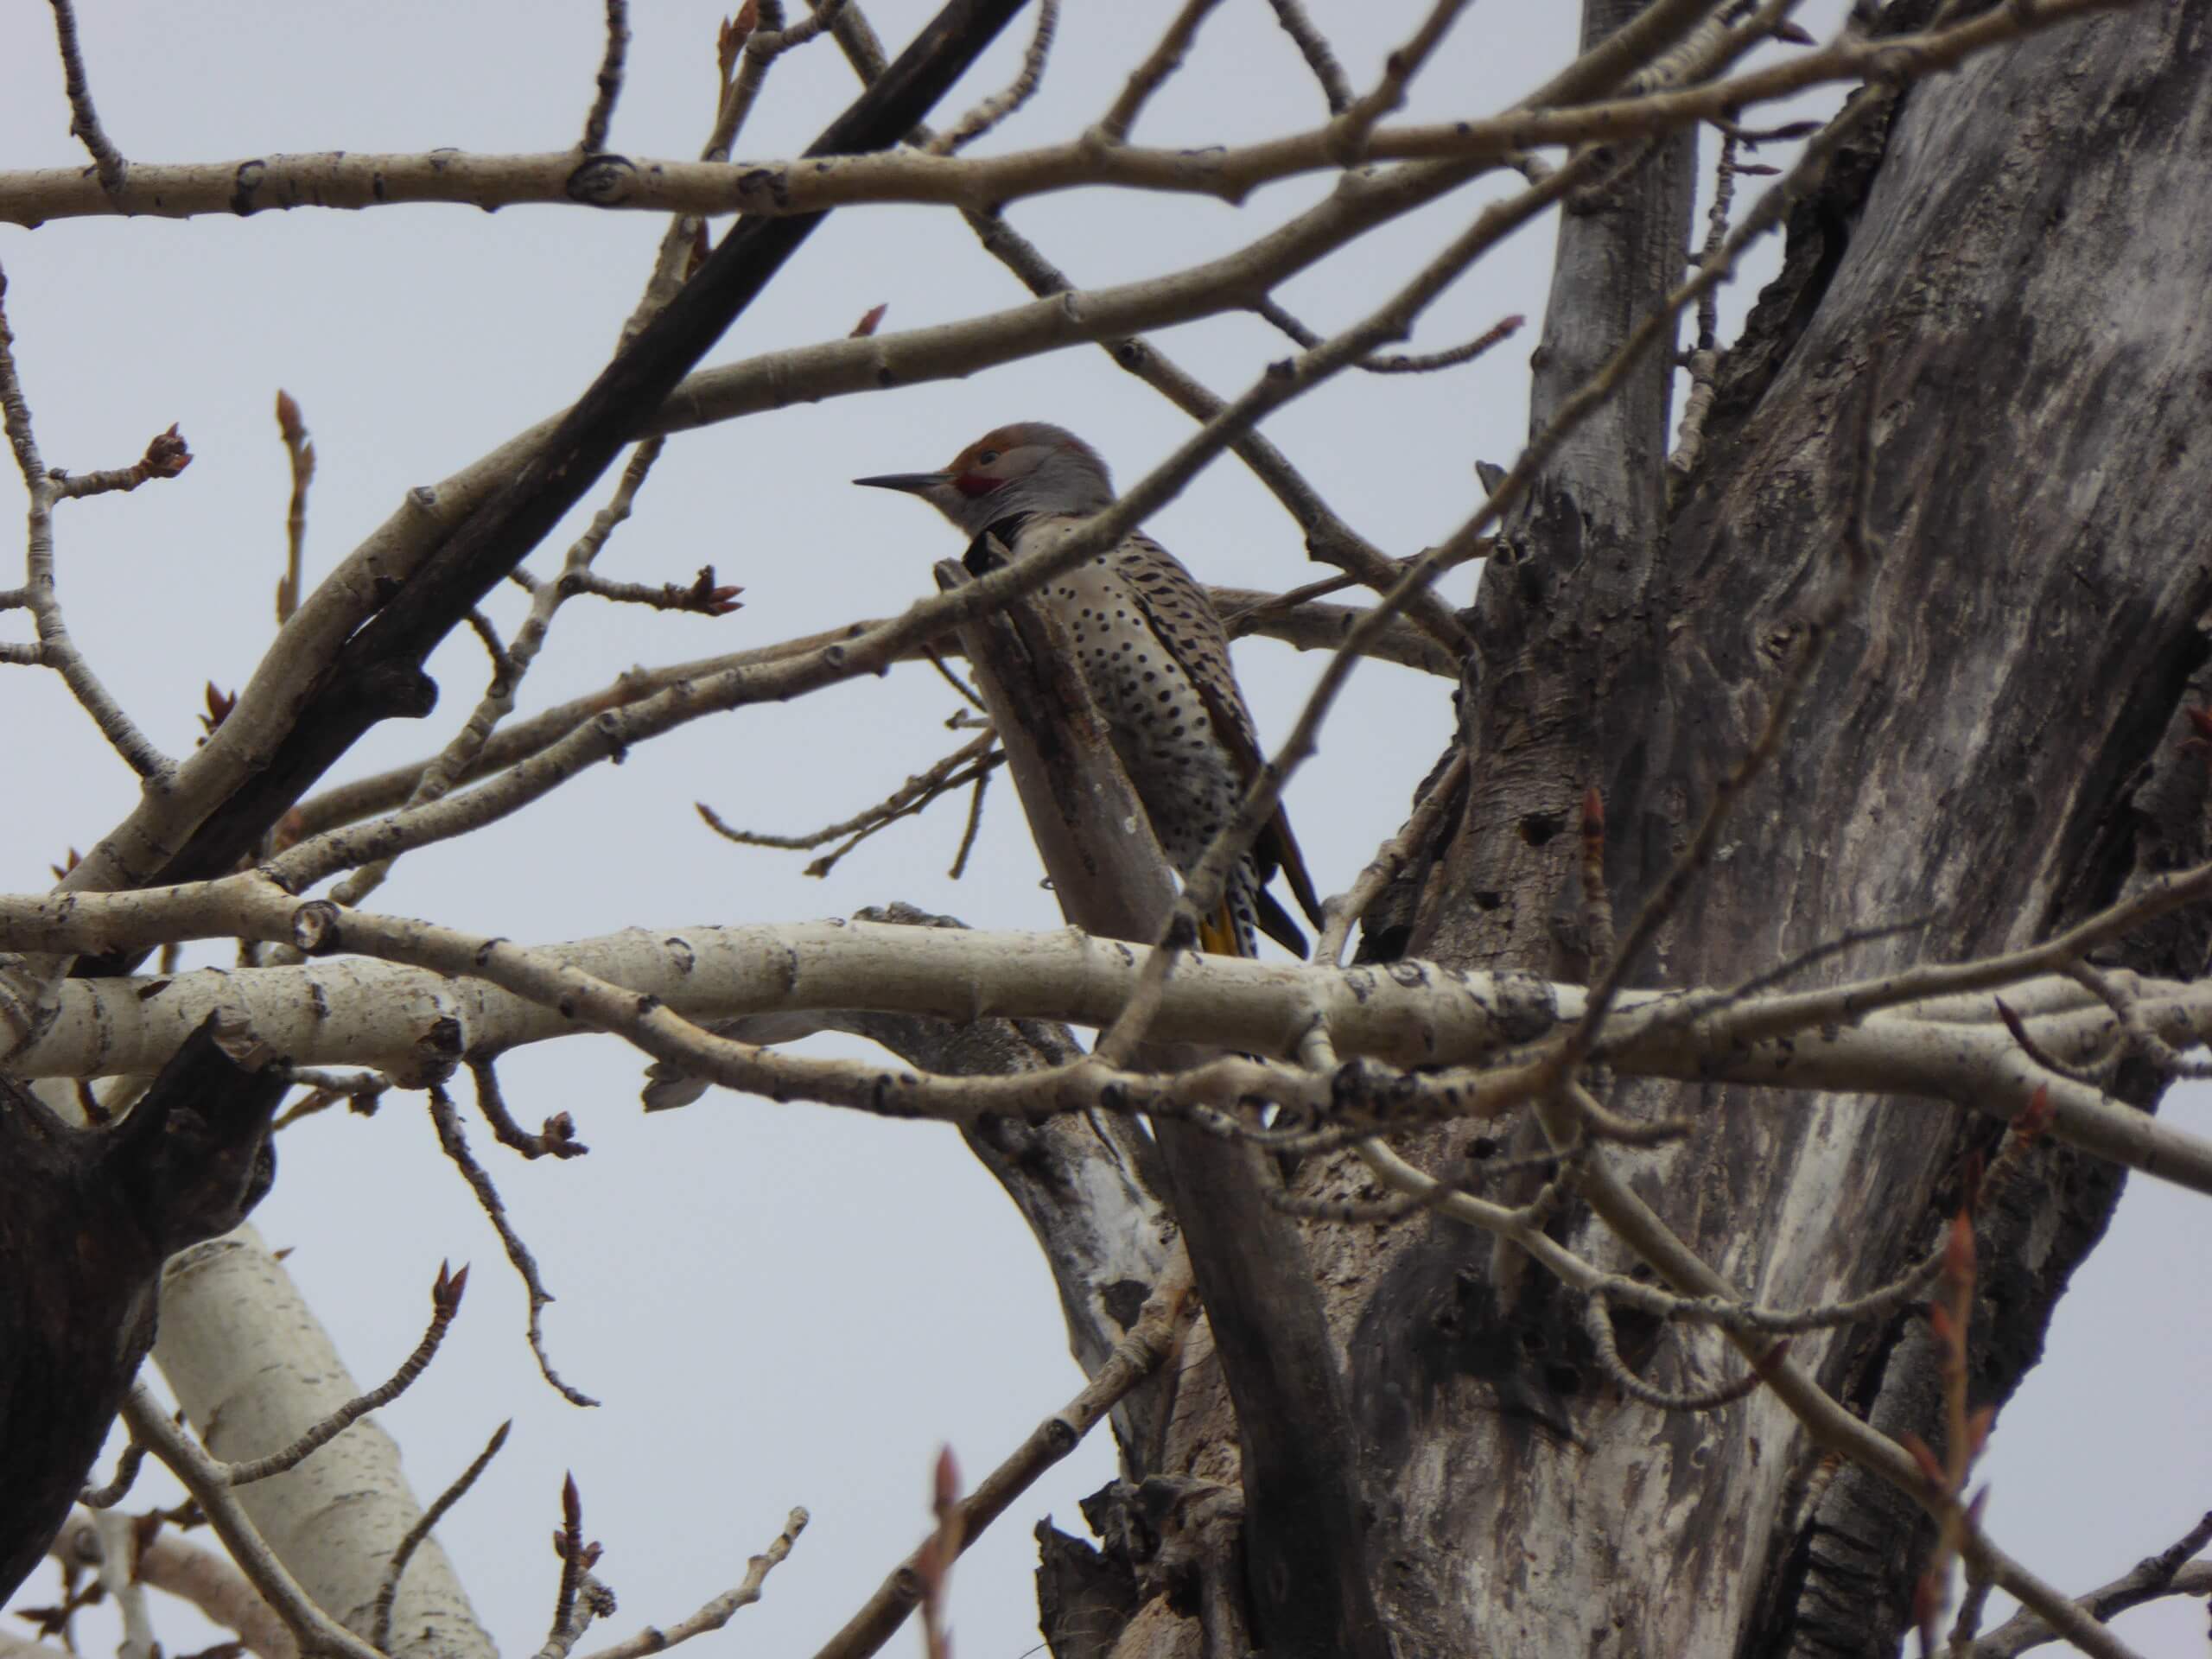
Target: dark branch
377, 674
87, 1218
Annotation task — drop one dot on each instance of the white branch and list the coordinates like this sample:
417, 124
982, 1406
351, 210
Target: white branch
354, 180
252, 1368
653, 988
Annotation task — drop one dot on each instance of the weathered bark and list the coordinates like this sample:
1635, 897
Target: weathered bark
87, 1216
1302, 1584
1991, 741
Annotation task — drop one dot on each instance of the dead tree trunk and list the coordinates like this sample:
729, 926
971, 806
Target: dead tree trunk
2012, 263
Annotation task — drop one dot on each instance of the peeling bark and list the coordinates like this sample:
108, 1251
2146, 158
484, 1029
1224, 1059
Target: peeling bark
2016, 275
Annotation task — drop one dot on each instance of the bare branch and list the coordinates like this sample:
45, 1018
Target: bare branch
345, 179
1343, 913
2171, 1572
1415, 1013
300, 453
557, 1139
994, 108
166, 457
126, 1475
1313, 46
118, 1576
455, 1144
315, 1630
1597, 1319
609, 79
1399, 362
108, 164
203, 1578
1149, 1343
1244, 611
56, 650
719, 1611
911, 798
973, 826
701, 596
1151, 75
445, 1303
510, 667
1348, 132
380, 1619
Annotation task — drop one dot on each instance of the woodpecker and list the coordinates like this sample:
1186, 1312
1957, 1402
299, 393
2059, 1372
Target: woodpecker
1152, 650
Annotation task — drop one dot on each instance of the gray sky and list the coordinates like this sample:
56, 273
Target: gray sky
779, 1305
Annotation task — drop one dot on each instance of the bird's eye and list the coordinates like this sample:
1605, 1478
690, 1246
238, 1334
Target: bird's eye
987, 457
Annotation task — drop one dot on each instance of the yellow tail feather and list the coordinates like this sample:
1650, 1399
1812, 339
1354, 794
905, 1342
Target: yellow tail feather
1218, 935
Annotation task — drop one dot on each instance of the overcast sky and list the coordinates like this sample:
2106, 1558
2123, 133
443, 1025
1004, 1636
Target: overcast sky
779, 1305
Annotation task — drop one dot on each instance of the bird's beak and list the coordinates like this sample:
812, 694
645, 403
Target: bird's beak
912, 483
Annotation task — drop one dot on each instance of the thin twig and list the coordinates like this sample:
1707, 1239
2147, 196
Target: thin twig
388, 1589
1598, 1321
300, 453
973, 828
569, 1544
167, 455
968, 693
999, 106
487, 635
447, 1122
2171, 1572
446, 1293
1342, 914
1313, 46
1149, 1343
1151, 75
202, 1476
557, 1139
701, 596
360, 1091
56, 650
1704, 356
1398, 362
2093, 1074
84, 120
126, 1473
1348, 132
1969, 1619
512, 665
910, 797
719, 1611
609, 79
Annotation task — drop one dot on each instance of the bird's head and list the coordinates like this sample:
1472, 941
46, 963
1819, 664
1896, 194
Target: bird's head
1026, 467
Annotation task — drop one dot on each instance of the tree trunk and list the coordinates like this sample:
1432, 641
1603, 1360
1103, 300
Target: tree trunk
2013, 265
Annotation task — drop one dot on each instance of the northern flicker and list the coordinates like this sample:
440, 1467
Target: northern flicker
1153, 651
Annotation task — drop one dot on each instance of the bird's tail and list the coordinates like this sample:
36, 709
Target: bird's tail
1233, 928
1219, 935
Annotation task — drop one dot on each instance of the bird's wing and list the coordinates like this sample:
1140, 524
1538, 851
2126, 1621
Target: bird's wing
1182, 614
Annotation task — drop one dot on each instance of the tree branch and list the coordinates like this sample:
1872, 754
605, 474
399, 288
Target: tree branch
350, 180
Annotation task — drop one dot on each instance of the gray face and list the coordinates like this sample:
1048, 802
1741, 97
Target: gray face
1028, 467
